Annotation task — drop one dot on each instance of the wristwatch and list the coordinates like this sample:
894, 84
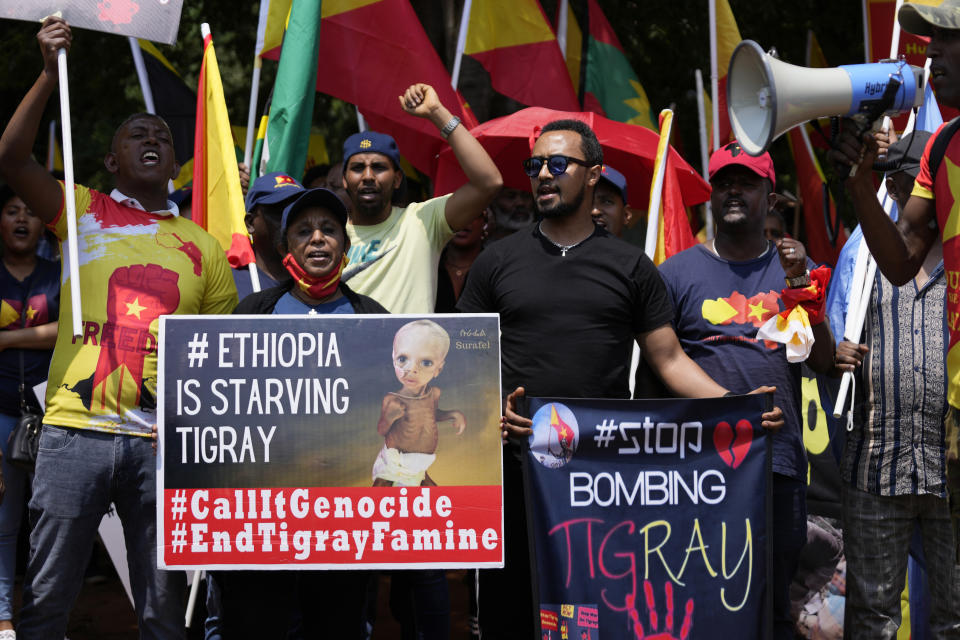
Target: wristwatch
799, 281
448, 128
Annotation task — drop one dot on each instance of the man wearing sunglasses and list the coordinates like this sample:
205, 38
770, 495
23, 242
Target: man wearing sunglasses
572, 298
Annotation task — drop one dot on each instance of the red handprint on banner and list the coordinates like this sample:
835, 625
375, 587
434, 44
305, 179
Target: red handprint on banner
136, 296
667, 633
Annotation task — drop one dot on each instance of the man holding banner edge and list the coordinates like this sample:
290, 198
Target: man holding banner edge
727, 293
604, 294
140, 260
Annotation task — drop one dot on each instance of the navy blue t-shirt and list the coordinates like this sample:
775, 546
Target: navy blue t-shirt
30, 303
719, 306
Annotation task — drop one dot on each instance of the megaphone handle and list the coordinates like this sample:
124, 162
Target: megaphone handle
868, 118
863, 125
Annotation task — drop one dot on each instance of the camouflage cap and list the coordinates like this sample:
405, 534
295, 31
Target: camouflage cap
922, 16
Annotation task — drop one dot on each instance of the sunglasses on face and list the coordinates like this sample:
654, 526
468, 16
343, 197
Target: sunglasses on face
556, 165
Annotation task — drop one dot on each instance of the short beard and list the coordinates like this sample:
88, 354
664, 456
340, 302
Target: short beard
368, 209
563, 209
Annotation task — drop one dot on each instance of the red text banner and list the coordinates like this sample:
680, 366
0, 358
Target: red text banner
329, 442
320, 525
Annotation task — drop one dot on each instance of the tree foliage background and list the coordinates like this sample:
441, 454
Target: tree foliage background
664, 39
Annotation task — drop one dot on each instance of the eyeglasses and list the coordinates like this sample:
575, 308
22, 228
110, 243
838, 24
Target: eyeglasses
556, 165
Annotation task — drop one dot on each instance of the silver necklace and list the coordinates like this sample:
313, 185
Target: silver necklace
563, 247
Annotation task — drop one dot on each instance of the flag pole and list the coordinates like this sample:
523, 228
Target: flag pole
69, 199
866, 32
51, 145
248, 142
562, 27
255, 86
252, 115
195, 586
656, 189
862, 283
142, 75
704, 152
714, 75
461, 43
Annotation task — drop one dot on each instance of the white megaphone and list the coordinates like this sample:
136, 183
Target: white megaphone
766, 97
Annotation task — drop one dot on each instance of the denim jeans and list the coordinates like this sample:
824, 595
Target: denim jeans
79, 473
877, 532
11, 512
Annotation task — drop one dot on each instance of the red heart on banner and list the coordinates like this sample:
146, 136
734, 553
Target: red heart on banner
732, 446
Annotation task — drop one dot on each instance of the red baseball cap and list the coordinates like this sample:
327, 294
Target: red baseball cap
733, 154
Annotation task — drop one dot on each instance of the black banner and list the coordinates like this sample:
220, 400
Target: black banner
650, 518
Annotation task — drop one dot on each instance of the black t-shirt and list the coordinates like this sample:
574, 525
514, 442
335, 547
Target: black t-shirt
567, 322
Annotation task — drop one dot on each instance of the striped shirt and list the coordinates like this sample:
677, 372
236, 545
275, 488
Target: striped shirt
897, 443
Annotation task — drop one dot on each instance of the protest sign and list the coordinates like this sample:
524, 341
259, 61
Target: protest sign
156, 20
650, 518
315, 441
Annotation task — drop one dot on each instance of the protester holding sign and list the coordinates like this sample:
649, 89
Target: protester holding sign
723, 292
572, 298
138, 260
313, 243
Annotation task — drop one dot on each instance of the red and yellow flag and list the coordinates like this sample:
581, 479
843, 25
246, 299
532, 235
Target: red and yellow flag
217, 199
728, 37
514, 42
819, 210
370, 52
575, 49
673, 227
274, 15
564, 432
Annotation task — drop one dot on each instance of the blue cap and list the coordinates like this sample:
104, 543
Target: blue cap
317, 198
615, 178
370, 142
272, 188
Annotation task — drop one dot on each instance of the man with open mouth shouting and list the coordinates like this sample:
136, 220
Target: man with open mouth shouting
138, 260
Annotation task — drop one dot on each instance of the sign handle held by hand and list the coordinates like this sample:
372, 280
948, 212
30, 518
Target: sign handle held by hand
72, 246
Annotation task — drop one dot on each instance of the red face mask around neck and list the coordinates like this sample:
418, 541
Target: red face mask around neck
314, 287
